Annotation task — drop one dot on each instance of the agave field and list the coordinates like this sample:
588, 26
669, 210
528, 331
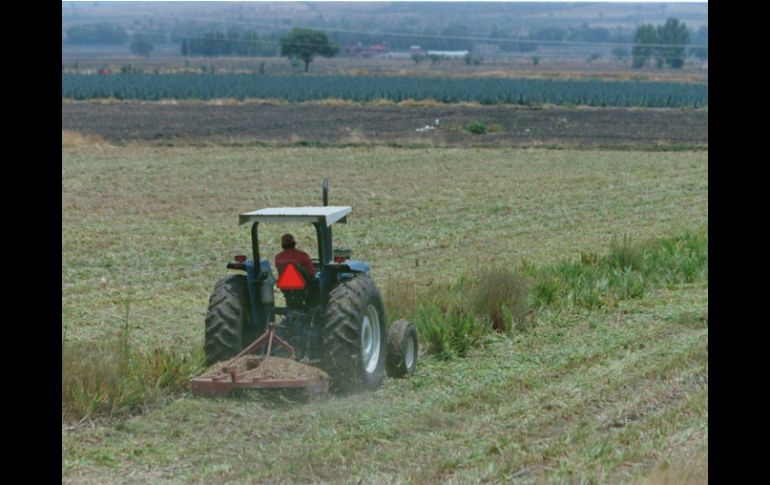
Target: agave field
393, 88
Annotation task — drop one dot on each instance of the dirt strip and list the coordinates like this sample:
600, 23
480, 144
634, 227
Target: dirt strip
442, 124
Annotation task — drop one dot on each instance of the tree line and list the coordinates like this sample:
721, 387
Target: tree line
665, 44
231, 43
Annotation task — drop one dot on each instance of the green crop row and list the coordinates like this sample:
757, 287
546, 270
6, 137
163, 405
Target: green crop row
363, 89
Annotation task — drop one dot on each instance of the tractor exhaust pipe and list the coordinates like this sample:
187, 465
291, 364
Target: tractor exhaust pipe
326, 191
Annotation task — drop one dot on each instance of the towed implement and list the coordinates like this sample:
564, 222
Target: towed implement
332, 332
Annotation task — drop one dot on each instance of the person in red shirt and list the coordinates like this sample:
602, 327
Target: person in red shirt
292, 255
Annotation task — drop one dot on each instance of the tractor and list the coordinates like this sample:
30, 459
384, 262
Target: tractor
334, 321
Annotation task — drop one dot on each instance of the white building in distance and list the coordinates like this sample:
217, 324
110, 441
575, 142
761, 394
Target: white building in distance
448, 53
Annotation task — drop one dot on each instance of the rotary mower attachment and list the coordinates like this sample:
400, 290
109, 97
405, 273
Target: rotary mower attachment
248, 371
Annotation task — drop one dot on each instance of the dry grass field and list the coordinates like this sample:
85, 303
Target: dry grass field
613, 394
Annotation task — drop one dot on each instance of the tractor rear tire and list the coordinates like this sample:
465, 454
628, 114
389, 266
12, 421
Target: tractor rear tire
402, 349
227, 320
354, 338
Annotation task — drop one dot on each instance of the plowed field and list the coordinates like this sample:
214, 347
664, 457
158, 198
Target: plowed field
318, 123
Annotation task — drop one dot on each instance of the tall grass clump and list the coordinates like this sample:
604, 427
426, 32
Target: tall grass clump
501, 295
442, 321
453, 318
109, 378
625, 255
401, 299
625, 272
681, 259
449, 332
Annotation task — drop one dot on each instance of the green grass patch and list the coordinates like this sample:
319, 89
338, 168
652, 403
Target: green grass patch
452, 318
625, 272
476, 127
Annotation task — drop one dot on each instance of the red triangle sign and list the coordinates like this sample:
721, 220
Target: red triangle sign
290, 279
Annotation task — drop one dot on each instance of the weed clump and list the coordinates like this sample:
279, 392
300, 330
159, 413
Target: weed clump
449, 332
624, 255
454, 318
476, 127
625, 272
501, 296
110, 378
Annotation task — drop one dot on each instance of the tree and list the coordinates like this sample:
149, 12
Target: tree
185, 50
590, 34
141, 45
620, 53
250, 44
645, 39
101, 33
666, 44
551, 34
673, 36
453, 37
306, 44
700, 38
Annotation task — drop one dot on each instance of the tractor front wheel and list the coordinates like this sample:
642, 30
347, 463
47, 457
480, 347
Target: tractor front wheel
227, 320
354, 337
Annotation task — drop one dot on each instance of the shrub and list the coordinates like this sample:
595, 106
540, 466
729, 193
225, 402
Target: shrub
472, 60
476, 127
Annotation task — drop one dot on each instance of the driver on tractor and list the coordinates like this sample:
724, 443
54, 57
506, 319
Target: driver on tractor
290, 254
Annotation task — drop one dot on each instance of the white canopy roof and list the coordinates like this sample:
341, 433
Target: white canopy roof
330, 214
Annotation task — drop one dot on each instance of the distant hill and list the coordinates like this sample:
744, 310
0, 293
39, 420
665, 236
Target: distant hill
396, 24
479, 17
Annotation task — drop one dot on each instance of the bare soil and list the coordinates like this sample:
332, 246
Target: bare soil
340, 123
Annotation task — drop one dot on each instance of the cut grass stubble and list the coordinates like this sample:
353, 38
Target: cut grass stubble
452, 319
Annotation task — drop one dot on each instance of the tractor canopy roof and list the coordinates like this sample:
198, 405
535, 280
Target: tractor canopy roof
327, 214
